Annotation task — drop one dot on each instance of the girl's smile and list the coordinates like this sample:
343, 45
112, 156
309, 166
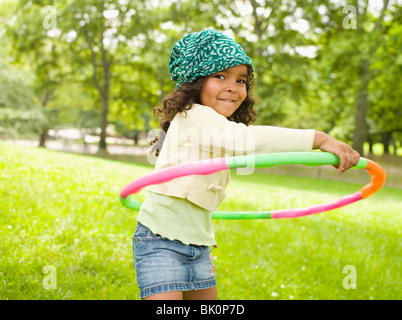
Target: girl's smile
225, 90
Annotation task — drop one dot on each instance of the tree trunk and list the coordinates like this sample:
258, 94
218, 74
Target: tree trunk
104, 93
370, 144
43, 135
360, 131
103, 124
45, 125
386, 140
103, 86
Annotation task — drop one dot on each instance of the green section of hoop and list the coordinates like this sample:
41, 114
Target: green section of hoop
241, 215
285, 158
130, 203
361, 164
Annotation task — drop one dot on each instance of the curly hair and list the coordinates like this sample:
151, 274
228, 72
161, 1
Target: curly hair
181, 99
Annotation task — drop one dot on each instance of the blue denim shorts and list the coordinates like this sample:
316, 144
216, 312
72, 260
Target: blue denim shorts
164, 265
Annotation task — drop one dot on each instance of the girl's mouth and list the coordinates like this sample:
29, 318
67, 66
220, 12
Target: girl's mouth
228, 100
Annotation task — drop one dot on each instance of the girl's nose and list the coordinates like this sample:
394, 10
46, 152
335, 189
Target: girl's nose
231, 86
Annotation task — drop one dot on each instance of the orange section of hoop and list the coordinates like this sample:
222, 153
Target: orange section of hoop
378, 177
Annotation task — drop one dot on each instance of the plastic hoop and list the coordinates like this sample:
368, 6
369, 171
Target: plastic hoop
209, 166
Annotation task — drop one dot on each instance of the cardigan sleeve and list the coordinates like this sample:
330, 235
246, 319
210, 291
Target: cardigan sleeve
221, 136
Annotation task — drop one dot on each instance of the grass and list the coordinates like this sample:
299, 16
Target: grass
62, 210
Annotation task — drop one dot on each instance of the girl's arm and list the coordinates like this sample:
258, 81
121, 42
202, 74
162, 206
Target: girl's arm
348, 157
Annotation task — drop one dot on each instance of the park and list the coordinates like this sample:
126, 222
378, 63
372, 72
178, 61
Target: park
98, 68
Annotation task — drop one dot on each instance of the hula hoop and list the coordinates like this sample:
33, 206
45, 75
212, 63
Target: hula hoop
208, 166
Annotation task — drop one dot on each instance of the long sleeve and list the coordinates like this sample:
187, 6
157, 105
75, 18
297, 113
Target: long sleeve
223, 137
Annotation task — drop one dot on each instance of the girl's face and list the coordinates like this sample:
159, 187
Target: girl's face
225, 90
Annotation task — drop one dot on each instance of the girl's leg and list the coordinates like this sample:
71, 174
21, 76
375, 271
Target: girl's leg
203, 294
171, 295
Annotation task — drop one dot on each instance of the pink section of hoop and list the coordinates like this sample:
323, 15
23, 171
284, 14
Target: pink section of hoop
294, 213
202, 167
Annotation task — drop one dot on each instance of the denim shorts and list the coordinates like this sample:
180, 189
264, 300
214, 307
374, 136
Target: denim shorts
164, 265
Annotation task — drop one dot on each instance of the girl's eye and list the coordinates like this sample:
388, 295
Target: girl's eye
219, 76
242, 81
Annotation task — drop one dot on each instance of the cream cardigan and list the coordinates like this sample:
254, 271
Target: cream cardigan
202, 133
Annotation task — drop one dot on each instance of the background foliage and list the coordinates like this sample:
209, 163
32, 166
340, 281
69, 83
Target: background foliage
330, 65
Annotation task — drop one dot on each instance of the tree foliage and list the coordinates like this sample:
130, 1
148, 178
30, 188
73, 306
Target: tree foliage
20, 110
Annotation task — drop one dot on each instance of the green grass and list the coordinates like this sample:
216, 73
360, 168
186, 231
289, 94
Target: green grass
62, 210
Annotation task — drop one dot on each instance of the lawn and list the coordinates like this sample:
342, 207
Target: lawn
64, 234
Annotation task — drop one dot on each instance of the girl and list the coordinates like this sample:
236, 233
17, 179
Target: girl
208, 115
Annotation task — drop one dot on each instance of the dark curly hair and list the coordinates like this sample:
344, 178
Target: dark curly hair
181, 99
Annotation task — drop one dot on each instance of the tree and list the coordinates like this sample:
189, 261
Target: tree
385, 112
35, 44
107, 39
20, 110
350, 40
360, 134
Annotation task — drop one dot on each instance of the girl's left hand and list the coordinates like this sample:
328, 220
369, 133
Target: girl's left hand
347, 156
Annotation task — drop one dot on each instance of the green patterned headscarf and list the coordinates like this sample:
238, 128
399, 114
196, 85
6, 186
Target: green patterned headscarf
204, 53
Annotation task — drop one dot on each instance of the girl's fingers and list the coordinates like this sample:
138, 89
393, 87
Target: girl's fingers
341, 167
347, 156
348, 160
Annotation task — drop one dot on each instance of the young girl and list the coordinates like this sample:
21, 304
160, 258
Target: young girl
208, 115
